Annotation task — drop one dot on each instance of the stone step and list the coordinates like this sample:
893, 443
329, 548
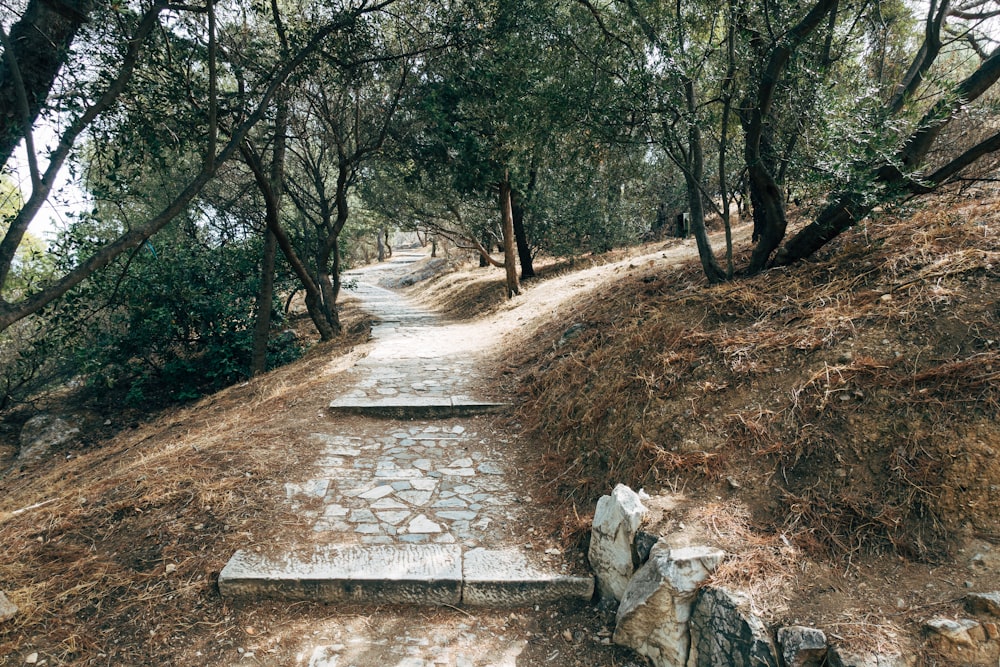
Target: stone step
415, 407
399, 574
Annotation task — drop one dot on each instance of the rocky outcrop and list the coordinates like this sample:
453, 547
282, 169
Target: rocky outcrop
801, 646
656, 606
965, 640
611, 553
725, 633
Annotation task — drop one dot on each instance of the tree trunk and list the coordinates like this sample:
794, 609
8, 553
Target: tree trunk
769, 221
486, 243
265, 299
380, 246
523, 249
765, 195
507, 220
846, 209
836, 217
41, 41
692, 179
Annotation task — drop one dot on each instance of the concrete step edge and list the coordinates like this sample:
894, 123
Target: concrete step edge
400, 574
401, 408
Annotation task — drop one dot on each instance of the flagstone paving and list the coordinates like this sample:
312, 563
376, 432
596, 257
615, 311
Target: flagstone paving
432, 501
401, 484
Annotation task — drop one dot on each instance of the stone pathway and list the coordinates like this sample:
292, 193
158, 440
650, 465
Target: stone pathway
424, 505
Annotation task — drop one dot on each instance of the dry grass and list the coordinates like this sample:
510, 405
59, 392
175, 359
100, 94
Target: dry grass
112, 553
841, 390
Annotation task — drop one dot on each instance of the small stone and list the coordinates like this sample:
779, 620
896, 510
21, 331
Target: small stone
422, 524
31, 659
8, 609
361, 516
170, 568
377, 492
983, 603
567, 635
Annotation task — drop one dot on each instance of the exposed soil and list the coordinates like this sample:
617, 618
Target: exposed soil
833, 426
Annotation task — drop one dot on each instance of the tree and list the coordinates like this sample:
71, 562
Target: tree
95, 101
35, 50
665, 57
345, 112
905, 171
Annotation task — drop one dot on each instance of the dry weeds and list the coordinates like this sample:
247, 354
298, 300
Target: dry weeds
842, 391
101, 549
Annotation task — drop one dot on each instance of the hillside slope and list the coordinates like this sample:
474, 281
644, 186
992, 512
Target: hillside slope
834, 424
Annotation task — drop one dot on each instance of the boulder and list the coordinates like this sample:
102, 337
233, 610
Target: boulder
8, 609
725, 633
611, 554
801, 646
656, 606
43, 432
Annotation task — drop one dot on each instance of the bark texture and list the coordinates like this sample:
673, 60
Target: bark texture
40, 42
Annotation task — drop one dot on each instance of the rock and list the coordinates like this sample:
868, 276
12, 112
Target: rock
43, 432
643, 545
616, 521
724, 632
31, 659
656, 606
962, 632
983, 603
838, 657
802, 646
8, 609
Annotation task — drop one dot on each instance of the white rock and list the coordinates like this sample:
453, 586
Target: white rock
616, 521
656, 606
8, 609
422, 524
984, 603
